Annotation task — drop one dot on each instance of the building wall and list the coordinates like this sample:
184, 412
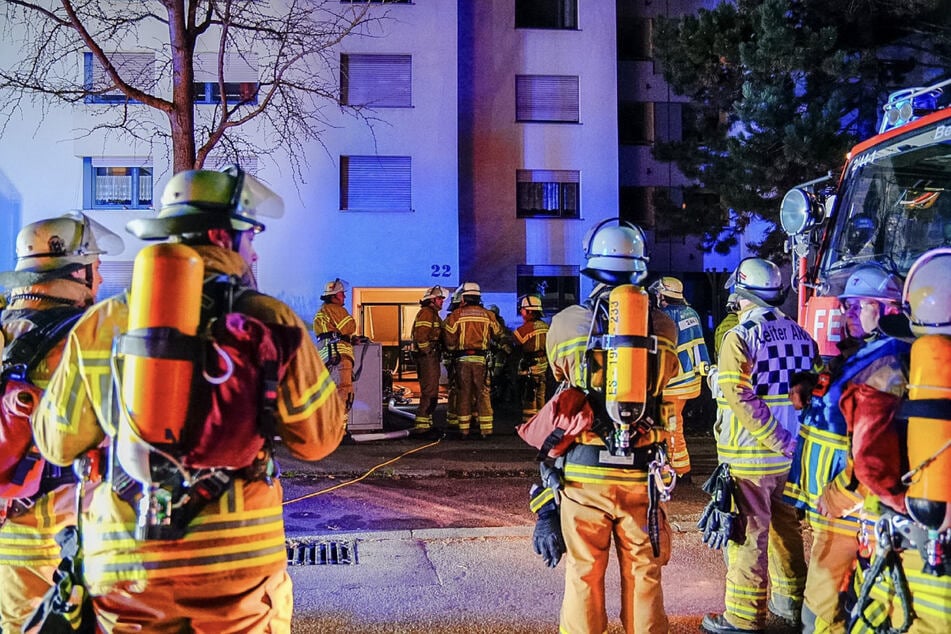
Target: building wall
493, 145
43, 148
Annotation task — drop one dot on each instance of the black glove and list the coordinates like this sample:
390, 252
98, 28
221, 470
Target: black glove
717, 526
547, 538
719, 517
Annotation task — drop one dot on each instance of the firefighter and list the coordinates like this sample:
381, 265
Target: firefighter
758, 359
334, 326
229, 571
726, 324
694, 360
882, 444
500, 378
449, 361
427, 339
594, 494
469, 331
57, 267
531, 337
821, 477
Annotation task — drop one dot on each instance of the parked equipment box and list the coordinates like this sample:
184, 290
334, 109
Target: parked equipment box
366, 415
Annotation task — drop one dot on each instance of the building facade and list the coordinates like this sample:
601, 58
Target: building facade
493, 146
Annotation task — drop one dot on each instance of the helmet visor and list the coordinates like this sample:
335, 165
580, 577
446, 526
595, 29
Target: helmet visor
253, 199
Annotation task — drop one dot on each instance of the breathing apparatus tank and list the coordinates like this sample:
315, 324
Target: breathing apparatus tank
155, 390
156, 373
626, 350
929, 493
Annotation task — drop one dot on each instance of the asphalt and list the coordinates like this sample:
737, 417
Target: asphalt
468, 579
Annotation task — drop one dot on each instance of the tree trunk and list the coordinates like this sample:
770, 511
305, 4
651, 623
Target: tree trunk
182, 116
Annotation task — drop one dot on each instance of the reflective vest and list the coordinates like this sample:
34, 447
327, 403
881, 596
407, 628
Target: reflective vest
691, 351
757, 361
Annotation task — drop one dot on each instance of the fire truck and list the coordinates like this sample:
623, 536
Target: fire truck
891, 203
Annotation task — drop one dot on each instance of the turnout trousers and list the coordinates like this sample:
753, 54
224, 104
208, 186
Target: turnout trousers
679, 458
772, 552
471, 379
428, 371
249, 606
830, 568
591, 514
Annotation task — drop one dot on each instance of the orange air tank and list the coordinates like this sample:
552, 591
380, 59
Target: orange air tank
164, 303
626, 351
929, 495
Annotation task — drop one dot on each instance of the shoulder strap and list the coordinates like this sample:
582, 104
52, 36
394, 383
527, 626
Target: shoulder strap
49, 328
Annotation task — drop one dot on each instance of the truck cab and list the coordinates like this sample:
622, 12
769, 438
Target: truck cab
891, 204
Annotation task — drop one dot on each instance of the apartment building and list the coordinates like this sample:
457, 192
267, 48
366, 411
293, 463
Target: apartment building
494, 148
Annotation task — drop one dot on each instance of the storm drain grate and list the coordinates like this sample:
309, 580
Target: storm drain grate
323, 553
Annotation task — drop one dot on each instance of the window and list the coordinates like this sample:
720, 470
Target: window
557, 285
547, 98
547, 193
379, 81
635, 123
375, 183
634, 39
637, 206
117, 183
137, 69
546, 14
240, 74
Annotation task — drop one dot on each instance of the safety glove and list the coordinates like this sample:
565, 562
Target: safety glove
547, 538
719, 517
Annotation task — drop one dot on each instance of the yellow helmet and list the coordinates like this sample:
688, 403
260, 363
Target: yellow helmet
530, 302
55, 247
198, 200
668, 287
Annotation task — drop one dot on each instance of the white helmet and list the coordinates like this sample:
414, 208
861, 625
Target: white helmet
55, 247
873, 282
436, 292
335, 286
668, 287
927, 293
470, 288
759, 281
615, 255
530, 302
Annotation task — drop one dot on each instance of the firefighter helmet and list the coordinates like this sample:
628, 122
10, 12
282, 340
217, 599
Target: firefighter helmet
668, 287
873, 282
759, 281
530, 302
195, 201
470, 288
56, 247
436, 292
333, 287
615, 254
927, 295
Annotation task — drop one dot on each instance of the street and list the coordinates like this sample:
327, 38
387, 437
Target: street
411, 536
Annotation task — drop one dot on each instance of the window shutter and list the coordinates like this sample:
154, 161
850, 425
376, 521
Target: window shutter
137, 69
239, 68
376, 80
376, 183
553, 98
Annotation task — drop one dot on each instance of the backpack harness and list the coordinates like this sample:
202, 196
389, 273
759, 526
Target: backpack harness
50, 327
177, 494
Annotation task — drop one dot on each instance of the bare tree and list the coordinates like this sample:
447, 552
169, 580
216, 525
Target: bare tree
145, 58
